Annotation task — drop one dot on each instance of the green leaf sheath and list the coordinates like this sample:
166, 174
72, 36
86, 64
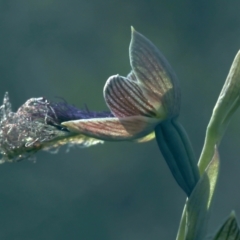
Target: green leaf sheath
188, 147
196, 212
178, 154
170, 160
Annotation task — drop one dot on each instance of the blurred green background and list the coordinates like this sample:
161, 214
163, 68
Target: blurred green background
68, 48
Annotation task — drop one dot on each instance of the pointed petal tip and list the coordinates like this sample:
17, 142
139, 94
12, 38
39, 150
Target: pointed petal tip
134, 32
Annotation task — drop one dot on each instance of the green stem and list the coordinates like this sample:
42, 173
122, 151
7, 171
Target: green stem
227, 103
215, 130
212, 139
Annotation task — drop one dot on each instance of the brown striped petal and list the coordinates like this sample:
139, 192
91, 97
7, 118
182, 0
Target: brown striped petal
113, 129
125, 98
154, 73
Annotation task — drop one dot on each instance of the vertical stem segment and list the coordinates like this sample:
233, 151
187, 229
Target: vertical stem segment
227, 103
